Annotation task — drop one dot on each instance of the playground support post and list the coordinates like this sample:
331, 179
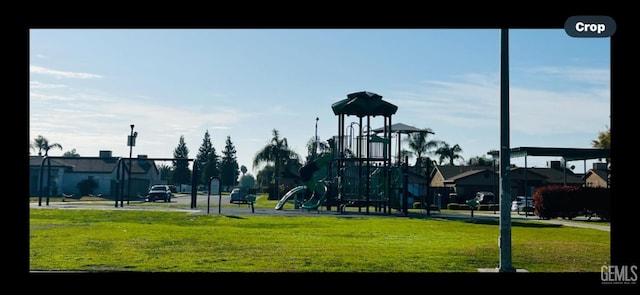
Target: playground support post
405, 188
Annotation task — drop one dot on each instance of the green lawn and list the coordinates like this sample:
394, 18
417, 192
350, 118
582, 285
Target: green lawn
152, 241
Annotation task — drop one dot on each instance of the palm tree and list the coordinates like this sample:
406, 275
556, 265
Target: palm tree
449, 152
419, 144
321, 146
42, 144
278, 153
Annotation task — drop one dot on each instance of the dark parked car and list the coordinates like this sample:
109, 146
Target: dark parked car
238, 196
159, 192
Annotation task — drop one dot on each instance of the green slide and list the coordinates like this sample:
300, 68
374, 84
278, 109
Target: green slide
314, 202
312, 175
288, 195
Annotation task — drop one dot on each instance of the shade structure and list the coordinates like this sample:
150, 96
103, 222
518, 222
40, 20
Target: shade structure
362, 104
402, 128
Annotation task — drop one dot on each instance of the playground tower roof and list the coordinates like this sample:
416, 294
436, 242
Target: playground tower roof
362, 104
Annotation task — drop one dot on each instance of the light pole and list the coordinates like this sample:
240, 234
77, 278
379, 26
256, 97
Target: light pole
130, 142
315, 142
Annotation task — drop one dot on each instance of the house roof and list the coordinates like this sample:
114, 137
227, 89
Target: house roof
552, 175
599, 172
556, 176
93, 164
569, 154
448, 171
37, 161
464, 174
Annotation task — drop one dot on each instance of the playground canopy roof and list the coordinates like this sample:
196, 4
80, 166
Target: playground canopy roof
402, 128
362, 104
569, 154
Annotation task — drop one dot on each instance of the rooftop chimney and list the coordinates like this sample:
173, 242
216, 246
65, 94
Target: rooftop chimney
105, 154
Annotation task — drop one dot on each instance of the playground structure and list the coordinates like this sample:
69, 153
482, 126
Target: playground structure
314, 175
358, 170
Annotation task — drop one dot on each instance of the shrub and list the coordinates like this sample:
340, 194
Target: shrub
554, 201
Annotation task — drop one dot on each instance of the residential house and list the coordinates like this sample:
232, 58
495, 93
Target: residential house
598, 176
66, 172
465, 181
553, 174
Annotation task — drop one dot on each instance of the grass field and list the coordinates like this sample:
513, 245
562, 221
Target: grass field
152, 241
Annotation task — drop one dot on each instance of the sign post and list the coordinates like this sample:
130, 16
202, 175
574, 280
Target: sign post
214, 187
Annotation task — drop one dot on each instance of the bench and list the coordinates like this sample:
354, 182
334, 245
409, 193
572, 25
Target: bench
250, 199
67, 196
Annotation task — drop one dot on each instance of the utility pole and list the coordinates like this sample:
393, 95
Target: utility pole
315, 142
131, 142
504, 241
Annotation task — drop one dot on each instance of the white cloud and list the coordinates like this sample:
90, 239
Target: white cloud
61, 74
542, 112
474, 101
40, 85
42, 97
589, 75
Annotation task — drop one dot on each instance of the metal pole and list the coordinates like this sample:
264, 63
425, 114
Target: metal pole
315, 142
504, 241
130, 167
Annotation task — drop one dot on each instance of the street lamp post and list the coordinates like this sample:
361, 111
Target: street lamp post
131, 142
315, 142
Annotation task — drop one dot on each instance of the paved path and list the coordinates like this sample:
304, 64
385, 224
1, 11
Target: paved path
209, 205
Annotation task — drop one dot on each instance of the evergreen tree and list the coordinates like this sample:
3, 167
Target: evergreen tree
208, 160
229, 170
181, 171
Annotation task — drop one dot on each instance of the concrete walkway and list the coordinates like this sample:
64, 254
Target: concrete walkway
351, 212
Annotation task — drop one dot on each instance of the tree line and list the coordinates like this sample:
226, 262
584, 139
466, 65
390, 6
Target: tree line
279, 159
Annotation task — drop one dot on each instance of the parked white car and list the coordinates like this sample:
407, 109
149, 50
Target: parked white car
518, 204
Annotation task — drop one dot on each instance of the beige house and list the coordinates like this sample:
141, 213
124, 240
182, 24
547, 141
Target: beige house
598, 176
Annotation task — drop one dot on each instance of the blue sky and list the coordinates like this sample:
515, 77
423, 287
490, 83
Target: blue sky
87, 86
